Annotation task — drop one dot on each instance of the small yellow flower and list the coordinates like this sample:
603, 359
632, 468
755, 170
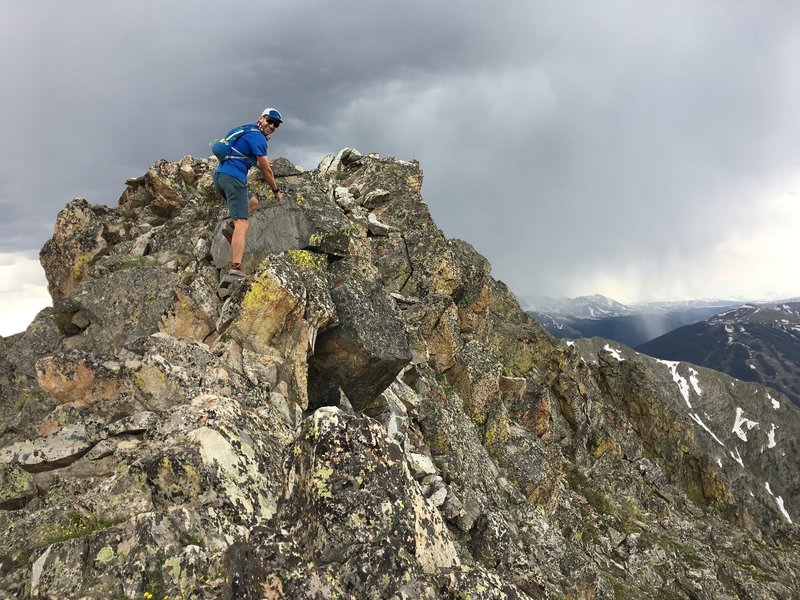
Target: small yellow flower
148, 596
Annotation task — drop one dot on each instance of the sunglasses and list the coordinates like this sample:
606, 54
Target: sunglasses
274, 123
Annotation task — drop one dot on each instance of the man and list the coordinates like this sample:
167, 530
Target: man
230, 178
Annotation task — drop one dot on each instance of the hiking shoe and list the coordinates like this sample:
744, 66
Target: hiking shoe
227, 231
236, 272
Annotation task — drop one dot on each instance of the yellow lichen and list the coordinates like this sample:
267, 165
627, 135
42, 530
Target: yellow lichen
79, 268
606, 445
308, 260
262, 291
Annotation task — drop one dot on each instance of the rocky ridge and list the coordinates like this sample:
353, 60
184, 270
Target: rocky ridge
369, 415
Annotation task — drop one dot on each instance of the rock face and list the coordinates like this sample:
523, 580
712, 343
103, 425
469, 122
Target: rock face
368, 415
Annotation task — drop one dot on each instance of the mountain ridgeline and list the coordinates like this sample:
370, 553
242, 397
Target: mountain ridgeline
599, 316
752, 343
368, 415
757, 342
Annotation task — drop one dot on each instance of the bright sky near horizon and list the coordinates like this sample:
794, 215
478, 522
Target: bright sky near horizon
636, 150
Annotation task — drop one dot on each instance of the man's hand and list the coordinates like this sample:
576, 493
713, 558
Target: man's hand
279, 197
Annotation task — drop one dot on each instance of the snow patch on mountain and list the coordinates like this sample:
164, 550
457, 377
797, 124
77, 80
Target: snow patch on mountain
737, 457
616, 354
779, 502
741, 421
696, 418
694, 379
683, 385
771, 437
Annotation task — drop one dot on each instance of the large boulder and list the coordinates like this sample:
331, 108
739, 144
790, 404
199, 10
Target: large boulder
363, 354
281, 314
124, 307
306, 220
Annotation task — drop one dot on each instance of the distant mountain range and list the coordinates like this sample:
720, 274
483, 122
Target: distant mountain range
752, 343
757, 342
632, 325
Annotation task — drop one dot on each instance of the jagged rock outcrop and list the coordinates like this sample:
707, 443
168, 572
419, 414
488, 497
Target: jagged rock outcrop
368, 415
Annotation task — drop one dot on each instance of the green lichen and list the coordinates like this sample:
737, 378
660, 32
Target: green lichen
177, 480
606, 445
415, 182
173, 565
149, 378
308, 260
357, 521
497, 431
17, 481
105, 555
320, 478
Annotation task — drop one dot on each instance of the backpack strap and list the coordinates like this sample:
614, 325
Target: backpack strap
234, 137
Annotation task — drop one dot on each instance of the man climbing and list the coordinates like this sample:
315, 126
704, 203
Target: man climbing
230, 178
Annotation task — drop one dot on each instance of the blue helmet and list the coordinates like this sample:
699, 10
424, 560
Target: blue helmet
272, 113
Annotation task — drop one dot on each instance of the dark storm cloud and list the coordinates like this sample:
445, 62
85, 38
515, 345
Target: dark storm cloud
570, 143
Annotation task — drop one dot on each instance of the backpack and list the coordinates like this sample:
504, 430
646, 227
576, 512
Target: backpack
222, 148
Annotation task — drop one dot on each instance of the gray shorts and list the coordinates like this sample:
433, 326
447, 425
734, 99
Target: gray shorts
235, 194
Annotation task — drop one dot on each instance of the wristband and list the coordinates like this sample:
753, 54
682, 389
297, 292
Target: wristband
276, 190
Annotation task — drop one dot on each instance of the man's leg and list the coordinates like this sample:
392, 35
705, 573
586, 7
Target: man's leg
228, 230
238, 205
238, 241
240, 235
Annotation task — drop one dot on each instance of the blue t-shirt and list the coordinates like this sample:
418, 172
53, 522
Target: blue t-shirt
252, 144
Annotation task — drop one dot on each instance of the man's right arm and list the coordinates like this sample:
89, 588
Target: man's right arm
269, 176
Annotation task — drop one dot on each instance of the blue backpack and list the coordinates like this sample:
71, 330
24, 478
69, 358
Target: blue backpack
223, 149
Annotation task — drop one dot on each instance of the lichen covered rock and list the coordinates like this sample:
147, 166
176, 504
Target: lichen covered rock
349, 500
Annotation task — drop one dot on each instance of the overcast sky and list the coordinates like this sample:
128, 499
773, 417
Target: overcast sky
637, 149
